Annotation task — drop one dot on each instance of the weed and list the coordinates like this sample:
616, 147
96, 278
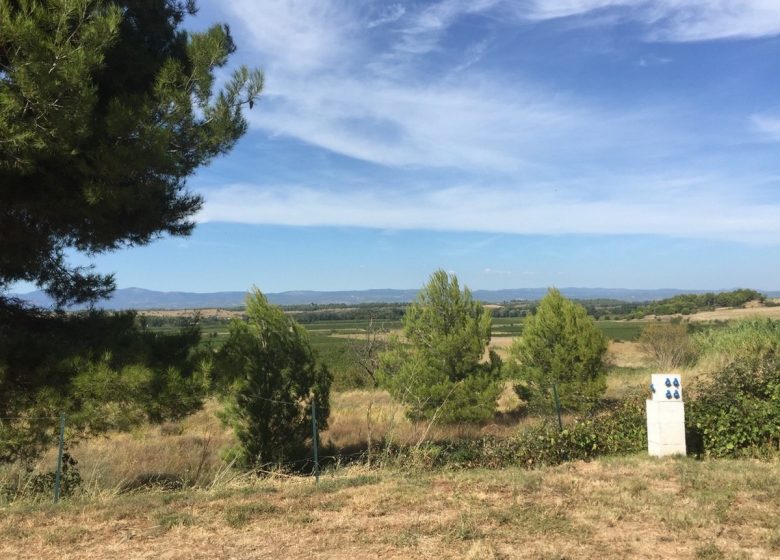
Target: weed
709, 551
466, 528
169, 520
65, 535
240, 515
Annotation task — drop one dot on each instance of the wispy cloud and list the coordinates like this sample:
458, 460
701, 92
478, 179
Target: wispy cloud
300, 36
388, 115
667, 212
383, 83
767, 126
495, 272
462, 125
675, 20
389, 14
424, 28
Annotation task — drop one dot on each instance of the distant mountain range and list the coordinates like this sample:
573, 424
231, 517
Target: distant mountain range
139, 298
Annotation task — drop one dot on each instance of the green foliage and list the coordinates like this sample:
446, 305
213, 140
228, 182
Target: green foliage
746, 342
42, 484
560, 345
105, 109
736, 410
667, 345
99, 368
270, 375
686, 304
617, 430
437, 368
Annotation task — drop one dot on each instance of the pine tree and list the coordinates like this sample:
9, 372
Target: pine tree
271, 376
105, 109
560, 345
437, 369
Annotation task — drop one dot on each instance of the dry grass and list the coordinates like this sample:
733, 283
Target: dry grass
723, 314
609, 509
185, 453
357, 416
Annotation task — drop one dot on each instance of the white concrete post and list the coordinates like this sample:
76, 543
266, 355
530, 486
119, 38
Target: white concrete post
666, 416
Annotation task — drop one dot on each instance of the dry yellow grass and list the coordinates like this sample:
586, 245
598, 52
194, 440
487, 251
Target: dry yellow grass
357, 416
625, 354
609, 509
724, 314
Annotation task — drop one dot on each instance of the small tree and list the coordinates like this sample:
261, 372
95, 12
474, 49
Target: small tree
561, 345
438, 369
271, 376
667, 345
366, 351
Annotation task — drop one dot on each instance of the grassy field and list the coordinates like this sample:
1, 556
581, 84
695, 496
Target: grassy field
629, 507
632, 507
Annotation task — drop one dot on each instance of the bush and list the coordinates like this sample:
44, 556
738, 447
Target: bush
736, 410
617, 430
667, 345
101, 369
746, 342
561, 346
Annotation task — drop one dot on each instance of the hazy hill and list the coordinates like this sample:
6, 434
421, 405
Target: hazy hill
139, 298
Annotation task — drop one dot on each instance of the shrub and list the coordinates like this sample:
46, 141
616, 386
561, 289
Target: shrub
736, 410
667, 345
619, 429
746, 342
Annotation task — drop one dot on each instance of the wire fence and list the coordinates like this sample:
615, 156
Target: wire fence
382, 450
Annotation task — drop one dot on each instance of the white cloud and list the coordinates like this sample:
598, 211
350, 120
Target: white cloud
676, 20
494, 272
700, 212
389, 14
345, 76
463, 125
766, 125
319, 90
300, 36
423, 29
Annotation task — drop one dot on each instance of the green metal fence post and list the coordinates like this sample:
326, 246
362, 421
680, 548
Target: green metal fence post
314, 438
58, 472
557, 406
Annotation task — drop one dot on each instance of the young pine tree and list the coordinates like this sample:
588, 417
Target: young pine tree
561, 346
270, 376
437, 369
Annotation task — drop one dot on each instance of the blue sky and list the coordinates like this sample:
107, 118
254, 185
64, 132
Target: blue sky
600, 143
